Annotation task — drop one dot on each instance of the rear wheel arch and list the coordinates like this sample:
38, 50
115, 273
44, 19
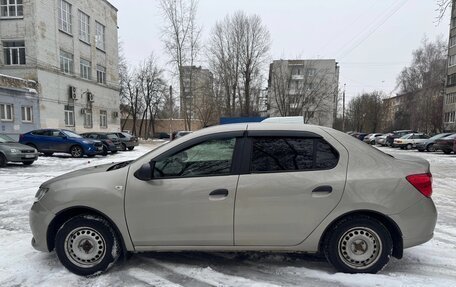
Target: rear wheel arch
66, 214
393, 228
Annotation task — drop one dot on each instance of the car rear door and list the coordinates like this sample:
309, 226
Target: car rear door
292, 183
190, 200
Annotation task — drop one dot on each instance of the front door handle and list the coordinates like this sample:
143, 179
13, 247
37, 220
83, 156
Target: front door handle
218, 194
323, 189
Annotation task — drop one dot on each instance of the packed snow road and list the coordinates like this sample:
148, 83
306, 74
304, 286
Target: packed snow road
431, 264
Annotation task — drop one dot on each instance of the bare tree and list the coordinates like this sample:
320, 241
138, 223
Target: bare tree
442, 7
365, 112
181, 37
305, 91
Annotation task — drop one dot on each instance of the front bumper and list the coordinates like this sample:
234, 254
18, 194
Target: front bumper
93, 150
417, 223
21, 157
39, 219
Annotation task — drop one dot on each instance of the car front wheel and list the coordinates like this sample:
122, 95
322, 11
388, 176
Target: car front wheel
131, 148
430, 148
2, 160
87, 245
124, 147
360, 244
76, 151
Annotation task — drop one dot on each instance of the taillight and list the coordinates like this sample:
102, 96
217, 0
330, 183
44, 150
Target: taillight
422, 182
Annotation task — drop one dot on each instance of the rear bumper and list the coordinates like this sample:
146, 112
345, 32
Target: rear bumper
417, 223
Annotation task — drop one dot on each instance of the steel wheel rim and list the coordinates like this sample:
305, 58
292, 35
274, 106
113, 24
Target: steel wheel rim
431, 148
360, 247
85, 247
76, 152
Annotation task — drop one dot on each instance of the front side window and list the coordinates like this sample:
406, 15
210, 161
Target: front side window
69, 116
65, 17
6, 112
275, 154
27, 114
101, 74
14, 53
11, 8
66, 62
103, 119
100, 35
86, 70
84, 27
210, 158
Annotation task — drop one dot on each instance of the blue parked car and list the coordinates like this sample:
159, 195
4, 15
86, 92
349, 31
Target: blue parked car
50, 141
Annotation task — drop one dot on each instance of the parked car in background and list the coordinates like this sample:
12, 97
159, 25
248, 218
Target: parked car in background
381, 140
370, 138
12, 151
111, 143
162, 136
428, 145
50, 141
127, 140
395, 135
410, 141
359, 135
179, 134
169, 196
445, 144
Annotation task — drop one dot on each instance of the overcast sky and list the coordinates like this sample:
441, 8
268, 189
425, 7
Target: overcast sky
371, 39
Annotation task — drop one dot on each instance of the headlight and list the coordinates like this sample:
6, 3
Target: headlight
40, 193
35, 151
13, 150
86, 142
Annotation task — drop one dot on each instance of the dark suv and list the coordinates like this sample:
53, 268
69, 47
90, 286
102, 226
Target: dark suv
395, 135
111, 142
50, 141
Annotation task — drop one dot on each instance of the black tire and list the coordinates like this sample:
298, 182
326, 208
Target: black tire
48, 153
124, 147
3, 160
447, 151
361, 233
421, 150
409, 146
27, 162
105, 151
430, 148
76, 151
87, 245
131, 148
114, 151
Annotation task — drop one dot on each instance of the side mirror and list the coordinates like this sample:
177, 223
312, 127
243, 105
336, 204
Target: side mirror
145, 172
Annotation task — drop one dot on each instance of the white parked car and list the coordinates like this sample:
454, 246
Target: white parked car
370, 138
410, 141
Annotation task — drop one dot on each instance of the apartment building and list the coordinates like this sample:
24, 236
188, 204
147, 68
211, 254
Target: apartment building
449, 103
307, 88
70, 48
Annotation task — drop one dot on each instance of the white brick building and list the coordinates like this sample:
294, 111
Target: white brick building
70, 47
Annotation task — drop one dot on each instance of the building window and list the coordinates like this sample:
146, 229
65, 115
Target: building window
69, 116
86, 70
453, 41
452, 61
100, 36
450, 99
104, 119
450, 117
311, 72
6, 112
27, 114
14, 53
101, 74
11, 8
65, 17
451, 80
84, 27
453, 23
88, 123
66, 62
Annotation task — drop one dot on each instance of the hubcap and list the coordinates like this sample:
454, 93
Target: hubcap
77, 152
85, 247
360, 247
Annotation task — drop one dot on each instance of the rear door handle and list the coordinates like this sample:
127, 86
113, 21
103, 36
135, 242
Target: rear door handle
323, 189
218, 194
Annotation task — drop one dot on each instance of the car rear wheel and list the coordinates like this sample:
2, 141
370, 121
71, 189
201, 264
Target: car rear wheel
2, 160
87, 245
131, 148
430, 148
27, 162
76, 151
124, 147
360, 244
409, 146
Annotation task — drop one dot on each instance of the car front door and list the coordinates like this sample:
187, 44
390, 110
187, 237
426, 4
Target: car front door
190, 199
292, 184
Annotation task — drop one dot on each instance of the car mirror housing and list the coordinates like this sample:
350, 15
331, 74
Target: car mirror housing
145, 172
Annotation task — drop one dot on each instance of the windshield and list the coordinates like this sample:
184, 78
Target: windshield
72, 134
6, 139
406, 136
439, 136
112, 136
452, 137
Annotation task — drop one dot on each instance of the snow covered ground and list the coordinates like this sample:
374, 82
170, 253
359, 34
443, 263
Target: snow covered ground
431, 264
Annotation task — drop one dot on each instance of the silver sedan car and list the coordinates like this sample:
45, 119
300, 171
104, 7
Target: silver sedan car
245, 187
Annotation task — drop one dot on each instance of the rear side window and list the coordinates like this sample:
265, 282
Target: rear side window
275, 154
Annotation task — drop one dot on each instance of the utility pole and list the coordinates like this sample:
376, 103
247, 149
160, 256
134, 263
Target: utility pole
170, 111
343, 109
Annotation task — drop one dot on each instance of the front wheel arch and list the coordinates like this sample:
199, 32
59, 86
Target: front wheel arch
64, 215
394, 230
